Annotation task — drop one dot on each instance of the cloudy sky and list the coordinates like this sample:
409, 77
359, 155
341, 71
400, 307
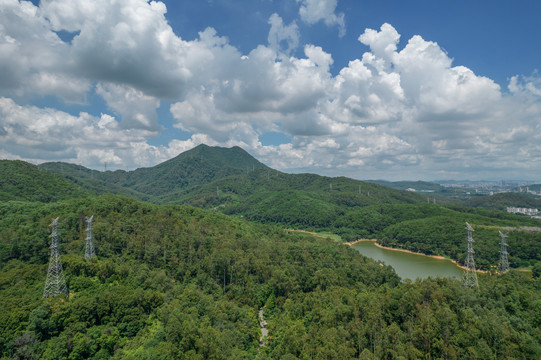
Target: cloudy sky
387, 89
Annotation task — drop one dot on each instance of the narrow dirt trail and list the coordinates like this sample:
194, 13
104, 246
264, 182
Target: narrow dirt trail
263, 326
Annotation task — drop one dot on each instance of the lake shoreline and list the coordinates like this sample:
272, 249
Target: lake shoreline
410, 252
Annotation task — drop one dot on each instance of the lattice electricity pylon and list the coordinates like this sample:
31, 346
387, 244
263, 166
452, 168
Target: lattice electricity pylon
89, 248
503, 266
470, 275
55, 283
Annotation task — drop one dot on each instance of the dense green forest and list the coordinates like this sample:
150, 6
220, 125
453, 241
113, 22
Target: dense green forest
502, 201
20, 180
180, 282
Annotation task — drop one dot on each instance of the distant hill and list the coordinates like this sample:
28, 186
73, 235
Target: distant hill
261, 185
442, 194
503, 200
306, 201
193, 177
200, 165
90, 180
231, 181
20, 180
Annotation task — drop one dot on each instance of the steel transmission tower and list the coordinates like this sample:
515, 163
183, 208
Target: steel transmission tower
470, 275
503, 266
55, 283
89, 248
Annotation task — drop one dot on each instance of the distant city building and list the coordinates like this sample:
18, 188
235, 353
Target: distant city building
523, 211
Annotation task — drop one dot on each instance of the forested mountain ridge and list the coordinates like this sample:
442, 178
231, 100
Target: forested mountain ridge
179, 282
90, 180
20, 180
239, 189
503, 200
197, 166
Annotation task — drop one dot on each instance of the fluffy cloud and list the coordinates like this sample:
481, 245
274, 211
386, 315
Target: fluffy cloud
33, 59
137, 110
410, 109
115, 38
279, 33
261, 89
41, 135
313, 11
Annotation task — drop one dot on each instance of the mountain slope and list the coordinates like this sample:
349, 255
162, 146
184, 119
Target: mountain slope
200, 165
91, 180
503, 200
20, 180
249, 187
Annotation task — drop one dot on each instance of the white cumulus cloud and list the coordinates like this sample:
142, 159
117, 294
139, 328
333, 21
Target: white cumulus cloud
281, 33
40, 135
137, 110
313, 11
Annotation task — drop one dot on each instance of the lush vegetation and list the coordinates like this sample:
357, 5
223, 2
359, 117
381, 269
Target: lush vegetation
502, 201
90, 180
445, 236
201, 165
175, 281
20, 180
396, 218
180, 282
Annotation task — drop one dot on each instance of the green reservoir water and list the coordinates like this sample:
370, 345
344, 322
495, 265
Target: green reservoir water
410, 266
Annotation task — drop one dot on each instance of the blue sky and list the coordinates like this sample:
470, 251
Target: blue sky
367, 89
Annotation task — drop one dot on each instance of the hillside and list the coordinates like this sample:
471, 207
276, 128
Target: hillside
431, 191
180, 282
20, 180
241, 189
200, 165
90, 180
503, 200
